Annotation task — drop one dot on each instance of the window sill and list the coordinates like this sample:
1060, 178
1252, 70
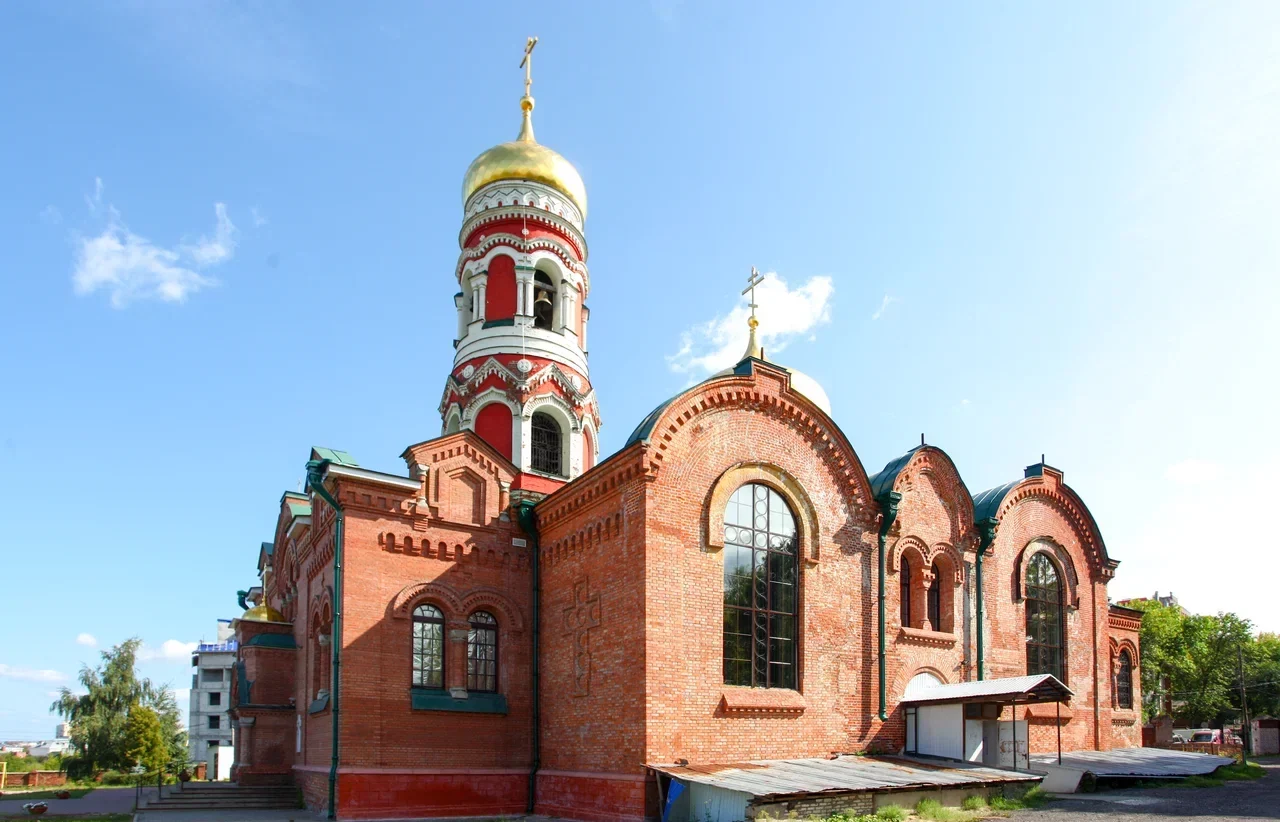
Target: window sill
319, 705
740, 701
922, 636
426, 699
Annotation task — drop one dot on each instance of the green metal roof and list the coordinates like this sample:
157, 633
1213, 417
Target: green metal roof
335, 457
645, 428
987, 504
883, 481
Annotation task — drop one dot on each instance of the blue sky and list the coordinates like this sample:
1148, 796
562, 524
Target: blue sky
230, 232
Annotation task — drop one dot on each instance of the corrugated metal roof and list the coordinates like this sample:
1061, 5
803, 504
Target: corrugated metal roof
1138, 762
1039, 687
789, 777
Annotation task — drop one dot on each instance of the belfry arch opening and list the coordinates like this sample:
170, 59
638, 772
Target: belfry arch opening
544, 301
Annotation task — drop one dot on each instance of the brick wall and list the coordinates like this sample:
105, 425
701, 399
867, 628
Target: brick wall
851, 804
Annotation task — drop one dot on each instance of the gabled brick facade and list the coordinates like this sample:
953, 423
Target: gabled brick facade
631, 608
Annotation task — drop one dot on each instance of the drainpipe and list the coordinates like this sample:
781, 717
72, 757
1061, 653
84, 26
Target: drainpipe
315, 481
529, 523
986, 536
889, 506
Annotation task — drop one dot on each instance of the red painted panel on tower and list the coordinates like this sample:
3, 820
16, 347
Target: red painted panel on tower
493, 424
500, 298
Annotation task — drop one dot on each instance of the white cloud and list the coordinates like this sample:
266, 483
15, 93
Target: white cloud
884, 305
30, 674
88, 640
94, 200
1193, 472
130, 267
171, 650
51, 214
259, 219
223, 244
784, 314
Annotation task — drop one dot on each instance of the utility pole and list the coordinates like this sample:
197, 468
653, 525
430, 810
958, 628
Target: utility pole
1247, 735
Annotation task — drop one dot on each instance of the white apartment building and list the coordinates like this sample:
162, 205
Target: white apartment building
209, 720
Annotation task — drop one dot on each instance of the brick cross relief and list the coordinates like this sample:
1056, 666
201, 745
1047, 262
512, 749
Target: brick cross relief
579, 619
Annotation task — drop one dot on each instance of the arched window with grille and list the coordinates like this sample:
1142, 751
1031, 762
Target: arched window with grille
1044, 618
1124, 680
428, 647
935, 599
760, 589
547, 441
482, 653
904, 591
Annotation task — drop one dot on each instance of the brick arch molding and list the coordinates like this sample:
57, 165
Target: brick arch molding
777, 479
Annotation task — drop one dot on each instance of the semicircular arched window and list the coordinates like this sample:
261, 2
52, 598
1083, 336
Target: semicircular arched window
1124, 680
428, 647
1044, 618
760, 589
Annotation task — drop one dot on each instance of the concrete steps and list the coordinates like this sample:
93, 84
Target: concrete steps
203, 797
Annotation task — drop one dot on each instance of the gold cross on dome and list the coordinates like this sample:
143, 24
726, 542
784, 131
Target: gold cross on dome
526, 63
754, 280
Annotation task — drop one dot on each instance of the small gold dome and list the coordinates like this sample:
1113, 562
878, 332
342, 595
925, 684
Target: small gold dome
524, 159
263, 612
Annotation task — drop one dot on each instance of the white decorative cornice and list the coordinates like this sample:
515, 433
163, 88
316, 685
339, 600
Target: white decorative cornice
509, 193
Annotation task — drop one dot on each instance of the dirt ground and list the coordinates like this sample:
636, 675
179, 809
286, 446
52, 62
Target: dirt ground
1235, 801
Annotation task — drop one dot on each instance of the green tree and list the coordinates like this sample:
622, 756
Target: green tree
98, 715
1199, 657
145, 742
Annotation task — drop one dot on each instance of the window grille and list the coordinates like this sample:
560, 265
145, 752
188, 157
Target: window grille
482, 653
935, 599
904, 591
428, 647
760, 589
1124, 681
546, 444
1044, 618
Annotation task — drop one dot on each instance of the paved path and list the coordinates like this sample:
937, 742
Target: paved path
295, 815
1233, 802
98, 800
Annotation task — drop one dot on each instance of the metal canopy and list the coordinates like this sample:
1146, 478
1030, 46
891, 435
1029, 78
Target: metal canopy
1023, 690
800, 777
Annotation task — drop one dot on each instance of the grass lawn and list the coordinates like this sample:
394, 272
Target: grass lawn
43, 793
974, 808
1225, 774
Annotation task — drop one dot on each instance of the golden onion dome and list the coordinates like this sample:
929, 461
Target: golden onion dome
262, 612
524, 159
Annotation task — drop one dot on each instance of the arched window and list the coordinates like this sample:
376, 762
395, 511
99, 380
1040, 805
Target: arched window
904, 591
1124, 680
1044, 618
760, 596
545, 451
544, 301
482, 653
935, 599
428, 647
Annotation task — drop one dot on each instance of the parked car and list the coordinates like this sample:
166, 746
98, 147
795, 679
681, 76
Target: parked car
1206, 735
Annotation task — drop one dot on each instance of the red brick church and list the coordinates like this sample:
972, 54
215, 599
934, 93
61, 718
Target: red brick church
517, 623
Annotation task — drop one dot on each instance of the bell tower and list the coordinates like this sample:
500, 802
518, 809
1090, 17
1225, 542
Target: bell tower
520, 377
